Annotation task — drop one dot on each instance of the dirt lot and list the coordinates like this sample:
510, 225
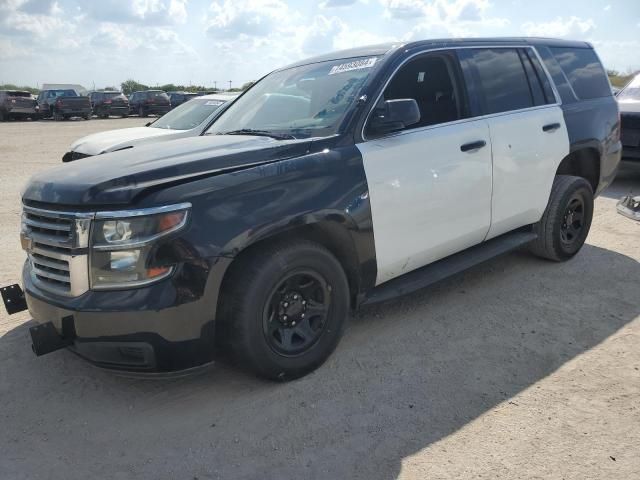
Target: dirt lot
519, 368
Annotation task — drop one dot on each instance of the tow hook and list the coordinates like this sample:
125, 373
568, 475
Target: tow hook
13, 298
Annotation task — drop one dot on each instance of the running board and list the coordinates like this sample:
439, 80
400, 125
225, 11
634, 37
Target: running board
436, 271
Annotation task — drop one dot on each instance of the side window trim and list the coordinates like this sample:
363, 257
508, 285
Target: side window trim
469, 87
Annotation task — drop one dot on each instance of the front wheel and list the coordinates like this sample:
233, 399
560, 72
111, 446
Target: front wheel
566, 221
283, 309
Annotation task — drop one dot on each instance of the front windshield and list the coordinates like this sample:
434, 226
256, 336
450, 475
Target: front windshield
302, 102
188, 115
631, 91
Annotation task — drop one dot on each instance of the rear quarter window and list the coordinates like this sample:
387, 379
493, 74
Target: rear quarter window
584, 72
502, 79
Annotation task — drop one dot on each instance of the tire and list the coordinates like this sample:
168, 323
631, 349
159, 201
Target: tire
87, 116
124, 115
141, 112
256, 329
565, 223
3, 116
57, 116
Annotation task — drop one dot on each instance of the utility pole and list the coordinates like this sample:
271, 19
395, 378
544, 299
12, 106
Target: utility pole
215, 85
229, 84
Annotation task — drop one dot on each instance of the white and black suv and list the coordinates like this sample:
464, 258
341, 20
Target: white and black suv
338, 181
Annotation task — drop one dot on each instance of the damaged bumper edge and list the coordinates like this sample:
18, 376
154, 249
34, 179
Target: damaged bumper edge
629, 207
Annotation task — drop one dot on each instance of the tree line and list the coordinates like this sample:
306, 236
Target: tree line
129, 86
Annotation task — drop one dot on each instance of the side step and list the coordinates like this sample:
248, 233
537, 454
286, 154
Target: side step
436, 271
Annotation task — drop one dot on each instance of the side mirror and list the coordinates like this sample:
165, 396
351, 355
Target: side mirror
394, 115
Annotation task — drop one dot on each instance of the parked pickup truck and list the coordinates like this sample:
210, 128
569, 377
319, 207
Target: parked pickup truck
17, 104
62, 104
338, 181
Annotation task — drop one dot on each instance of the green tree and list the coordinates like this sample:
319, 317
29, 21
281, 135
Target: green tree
130, 86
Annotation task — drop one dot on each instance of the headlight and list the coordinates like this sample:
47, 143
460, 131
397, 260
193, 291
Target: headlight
121, 243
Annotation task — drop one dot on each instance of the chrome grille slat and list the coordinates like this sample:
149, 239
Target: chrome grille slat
40, 259
58, 227
53, 276
56, 245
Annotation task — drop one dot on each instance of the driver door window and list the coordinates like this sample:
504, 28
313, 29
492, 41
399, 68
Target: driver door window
433, 81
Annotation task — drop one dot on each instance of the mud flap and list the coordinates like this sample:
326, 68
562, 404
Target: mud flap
13, 298
45, 338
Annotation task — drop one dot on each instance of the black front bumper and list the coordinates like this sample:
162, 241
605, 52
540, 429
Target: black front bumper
158, 328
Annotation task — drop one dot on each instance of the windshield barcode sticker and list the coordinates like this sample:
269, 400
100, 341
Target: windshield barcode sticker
214, 102
355, 65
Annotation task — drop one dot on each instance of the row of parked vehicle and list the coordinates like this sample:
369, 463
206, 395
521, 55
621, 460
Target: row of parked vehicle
64, 103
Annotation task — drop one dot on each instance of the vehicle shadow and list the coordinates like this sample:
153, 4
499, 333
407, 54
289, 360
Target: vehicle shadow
627, 181
407, 374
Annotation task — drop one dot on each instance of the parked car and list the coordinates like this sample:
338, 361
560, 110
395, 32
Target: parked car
61, 104
178, 98
109, 103
149, 102
629, 103
17, 104
188, 120
342, 180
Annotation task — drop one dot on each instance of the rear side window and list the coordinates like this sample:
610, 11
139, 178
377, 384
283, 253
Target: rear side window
502, 79
584, 72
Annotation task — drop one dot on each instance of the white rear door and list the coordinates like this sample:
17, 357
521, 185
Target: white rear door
528, 134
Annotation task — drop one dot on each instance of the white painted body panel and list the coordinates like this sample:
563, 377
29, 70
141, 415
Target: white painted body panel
525, 160
428, 198
111, 140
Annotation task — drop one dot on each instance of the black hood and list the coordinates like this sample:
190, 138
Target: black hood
117, 178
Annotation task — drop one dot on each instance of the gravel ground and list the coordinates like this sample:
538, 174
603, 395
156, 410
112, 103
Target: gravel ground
518, 368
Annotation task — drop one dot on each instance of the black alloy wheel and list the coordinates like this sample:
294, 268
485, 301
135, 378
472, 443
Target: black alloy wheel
573, 221
295, 315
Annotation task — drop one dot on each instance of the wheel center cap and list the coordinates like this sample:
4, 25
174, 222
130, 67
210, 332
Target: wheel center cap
569, 219
292, 308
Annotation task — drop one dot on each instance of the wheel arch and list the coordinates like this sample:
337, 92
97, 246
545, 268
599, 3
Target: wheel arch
583, 162
334, 232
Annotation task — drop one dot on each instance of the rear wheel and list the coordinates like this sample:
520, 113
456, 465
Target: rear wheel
57, 116
283, 309
565, 224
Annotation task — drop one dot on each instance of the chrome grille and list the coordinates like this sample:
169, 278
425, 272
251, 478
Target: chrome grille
56, 244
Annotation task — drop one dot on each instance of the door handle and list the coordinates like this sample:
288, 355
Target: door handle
551, 127
469, 147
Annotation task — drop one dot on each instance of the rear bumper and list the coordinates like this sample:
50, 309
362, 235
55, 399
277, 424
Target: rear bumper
138, 330
114, 109
158, 109
22, 111
75, 111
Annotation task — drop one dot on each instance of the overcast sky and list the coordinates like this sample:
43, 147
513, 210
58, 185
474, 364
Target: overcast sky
104, 42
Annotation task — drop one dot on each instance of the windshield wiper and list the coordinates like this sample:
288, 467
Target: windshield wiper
259, 133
